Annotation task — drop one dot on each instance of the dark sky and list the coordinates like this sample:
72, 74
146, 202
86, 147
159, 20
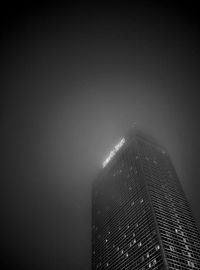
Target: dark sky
74, 79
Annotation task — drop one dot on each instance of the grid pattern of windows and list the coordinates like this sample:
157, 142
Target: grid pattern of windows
140, 216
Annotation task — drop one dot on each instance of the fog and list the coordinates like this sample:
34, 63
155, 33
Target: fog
74, 80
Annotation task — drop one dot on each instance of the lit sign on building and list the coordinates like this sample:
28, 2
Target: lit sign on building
113, 152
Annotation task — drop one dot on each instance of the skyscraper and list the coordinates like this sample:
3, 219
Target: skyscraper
140, 216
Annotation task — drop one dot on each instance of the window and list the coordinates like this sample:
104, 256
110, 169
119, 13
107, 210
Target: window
157, 247
191, 264
189, 255
154, 262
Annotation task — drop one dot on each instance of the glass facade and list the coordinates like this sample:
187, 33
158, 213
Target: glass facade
140, 216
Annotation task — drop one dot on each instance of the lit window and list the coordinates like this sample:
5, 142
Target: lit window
126, 255
106, 240
134, 241
190, 263
128, 226
107, 264
132, 203
154, 262
157, 247
133, 234
117, 248
139, 244
141, 201
124, 235
136, 225
122, 252
147, 254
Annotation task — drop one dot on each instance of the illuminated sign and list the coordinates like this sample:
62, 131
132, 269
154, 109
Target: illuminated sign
113, 152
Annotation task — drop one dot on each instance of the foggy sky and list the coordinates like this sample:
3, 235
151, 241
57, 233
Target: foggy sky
74, 80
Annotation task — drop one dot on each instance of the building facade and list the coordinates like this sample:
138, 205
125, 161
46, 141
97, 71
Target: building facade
140, 216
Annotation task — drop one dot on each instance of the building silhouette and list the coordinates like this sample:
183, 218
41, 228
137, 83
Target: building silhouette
140, 216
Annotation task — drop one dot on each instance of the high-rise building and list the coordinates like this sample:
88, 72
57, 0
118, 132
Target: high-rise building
140, 216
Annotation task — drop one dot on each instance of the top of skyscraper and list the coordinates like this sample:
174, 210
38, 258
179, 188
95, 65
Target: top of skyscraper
133, 134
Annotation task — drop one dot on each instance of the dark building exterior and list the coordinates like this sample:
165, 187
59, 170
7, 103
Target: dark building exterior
140, 216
